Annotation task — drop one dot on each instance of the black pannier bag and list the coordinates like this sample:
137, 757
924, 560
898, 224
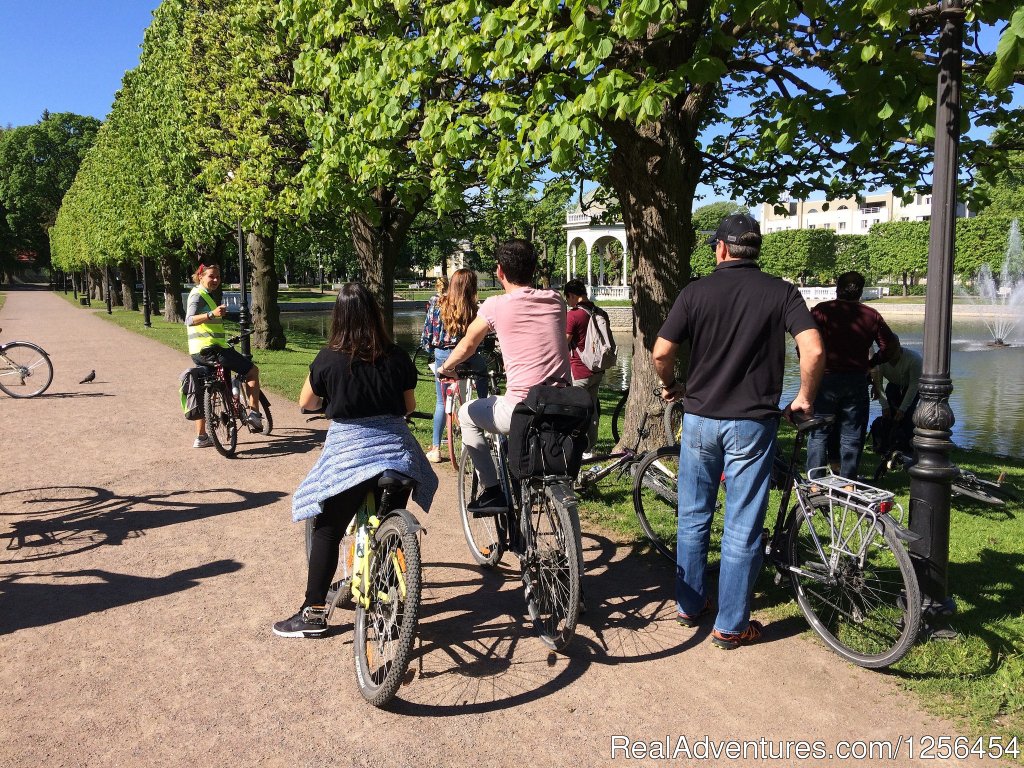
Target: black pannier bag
549, 432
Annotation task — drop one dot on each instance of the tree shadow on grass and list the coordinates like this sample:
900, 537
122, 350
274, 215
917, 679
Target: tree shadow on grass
56, 521
26, 600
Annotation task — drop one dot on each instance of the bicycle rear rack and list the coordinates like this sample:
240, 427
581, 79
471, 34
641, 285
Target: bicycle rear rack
853, 494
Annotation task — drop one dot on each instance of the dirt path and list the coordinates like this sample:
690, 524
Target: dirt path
139, 579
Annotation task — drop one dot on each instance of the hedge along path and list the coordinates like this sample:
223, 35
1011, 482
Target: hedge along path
139, 579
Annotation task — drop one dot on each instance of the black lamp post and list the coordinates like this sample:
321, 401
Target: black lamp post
88, 288
74, 285
145, 296
243, 305
931, 476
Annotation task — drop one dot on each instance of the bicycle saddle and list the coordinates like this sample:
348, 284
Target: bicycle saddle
392, 479
814, 422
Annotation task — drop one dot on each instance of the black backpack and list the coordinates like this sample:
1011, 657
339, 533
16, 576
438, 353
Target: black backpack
548, 434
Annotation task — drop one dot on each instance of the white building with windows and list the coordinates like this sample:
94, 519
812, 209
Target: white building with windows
849, 215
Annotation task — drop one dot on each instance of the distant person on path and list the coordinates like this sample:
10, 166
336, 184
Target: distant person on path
366, 385
530, 325
898, 397
736, 320
576, 323
848, 328
208, 345
448, 318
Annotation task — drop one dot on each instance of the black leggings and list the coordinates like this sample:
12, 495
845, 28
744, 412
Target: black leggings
328, 531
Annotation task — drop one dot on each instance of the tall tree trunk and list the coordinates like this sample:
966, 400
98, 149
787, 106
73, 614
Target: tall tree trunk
906, 292
127, 272
654, 171
377, 247
154, 303
170, 272
268, 333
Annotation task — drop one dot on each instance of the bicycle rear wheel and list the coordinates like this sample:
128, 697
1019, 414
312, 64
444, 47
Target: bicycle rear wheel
551, 565
27, 370
656, 498
221, 423
859, 591
384, 632
673, 423
482, 534
422, 360
618, 415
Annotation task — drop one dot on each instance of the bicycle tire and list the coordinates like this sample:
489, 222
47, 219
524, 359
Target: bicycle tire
482, 534
387, 629
454, 430
30, 364
221, 424
551, 565
268, 417
673, 421
842, 614
617, 416
980, 490
656, 499
421, 360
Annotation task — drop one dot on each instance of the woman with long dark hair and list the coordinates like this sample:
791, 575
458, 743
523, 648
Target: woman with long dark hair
365, 383
448, 317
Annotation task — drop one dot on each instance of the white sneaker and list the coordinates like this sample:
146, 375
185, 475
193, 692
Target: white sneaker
203, 441
434, 456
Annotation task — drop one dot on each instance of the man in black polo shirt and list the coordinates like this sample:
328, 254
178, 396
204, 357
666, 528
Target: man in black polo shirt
736, 320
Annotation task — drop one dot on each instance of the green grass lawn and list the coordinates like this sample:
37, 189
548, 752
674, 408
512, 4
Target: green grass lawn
977, 679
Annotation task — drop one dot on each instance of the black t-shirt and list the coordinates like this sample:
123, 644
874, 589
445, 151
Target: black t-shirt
355, 389
736, 319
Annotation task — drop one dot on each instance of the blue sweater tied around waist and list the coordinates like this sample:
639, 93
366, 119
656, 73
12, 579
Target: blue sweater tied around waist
357, 450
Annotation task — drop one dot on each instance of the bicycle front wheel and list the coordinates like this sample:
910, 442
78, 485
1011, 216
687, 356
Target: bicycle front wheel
674, 423
618, 414
552, 563
454, 436
384, 632
482, 535
656, 498
268, 417
25, 369
221, 423
855, 584
421, 360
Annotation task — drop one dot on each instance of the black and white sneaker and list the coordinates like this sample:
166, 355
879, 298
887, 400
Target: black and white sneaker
489, 503
308, 622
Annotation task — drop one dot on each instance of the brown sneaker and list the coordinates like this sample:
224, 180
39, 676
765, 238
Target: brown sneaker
685, 620
730, 640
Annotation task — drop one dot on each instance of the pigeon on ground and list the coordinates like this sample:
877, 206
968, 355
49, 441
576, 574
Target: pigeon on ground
89, 379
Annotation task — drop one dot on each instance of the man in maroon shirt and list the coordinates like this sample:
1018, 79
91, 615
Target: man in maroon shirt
576, 321
848, 329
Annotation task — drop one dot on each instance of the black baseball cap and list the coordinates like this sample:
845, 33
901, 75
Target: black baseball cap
732, 229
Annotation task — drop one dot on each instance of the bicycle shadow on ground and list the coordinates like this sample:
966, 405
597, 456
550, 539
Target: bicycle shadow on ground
64, 395
26, 601
56, 521
281, 442
478, 650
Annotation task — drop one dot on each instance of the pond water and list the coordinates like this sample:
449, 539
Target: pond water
988, 383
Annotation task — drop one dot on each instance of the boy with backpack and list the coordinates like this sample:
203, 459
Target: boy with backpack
591, 347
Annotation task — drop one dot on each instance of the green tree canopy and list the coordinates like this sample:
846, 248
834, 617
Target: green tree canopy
799, 255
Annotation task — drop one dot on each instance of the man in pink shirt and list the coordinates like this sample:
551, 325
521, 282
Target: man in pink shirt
530, 324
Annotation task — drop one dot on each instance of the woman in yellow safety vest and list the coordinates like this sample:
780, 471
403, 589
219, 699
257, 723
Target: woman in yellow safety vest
208, 345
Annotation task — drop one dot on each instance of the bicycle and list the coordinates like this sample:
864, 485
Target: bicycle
542, 528
25, 369
381, 576
843, 550
618, 413
226, 405
595, 469
964, 483
459, 389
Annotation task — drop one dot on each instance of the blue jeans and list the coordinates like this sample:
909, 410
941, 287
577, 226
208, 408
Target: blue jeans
844, 395
743, 450
476, 363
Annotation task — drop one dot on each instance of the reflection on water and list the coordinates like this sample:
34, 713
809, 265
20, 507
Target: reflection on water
988, 383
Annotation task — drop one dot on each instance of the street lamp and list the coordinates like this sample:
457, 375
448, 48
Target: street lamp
243, 303
931, 476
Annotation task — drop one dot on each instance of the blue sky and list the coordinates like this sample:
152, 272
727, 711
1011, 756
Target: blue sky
66, 55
